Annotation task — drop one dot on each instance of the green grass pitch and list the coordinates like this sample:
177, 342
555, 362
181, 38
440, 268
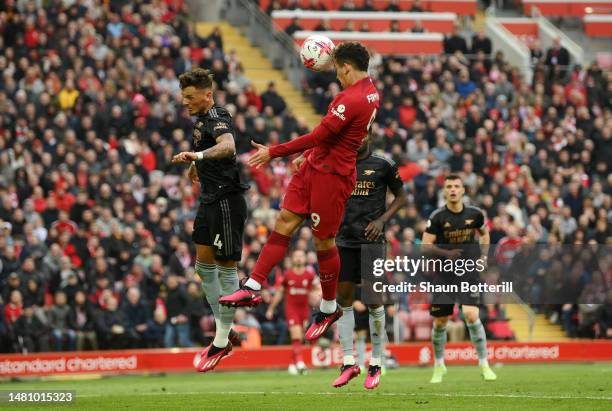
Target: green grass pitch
519, 387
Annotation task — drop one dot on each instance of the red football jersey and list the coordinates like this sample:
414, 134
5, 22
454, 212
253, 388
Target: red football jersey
349, 118
297, 287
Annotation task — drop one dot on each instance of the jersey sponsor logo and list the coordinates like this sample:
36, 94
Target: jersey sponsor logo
447, 225
336, 112
363, 187
220, 126
368, 172
469, 221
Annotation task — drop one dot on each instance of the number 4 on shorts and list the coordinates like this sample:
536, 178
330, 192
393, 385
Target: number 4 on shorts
217, 243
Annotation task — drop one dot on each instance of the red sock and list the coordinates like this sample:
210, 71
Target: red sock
329, 268
296, 346
272, 253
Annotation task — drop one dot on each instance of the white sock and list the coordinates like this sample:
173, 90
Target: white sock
348, 360
483, 361
252, 284
375, 361
439, 361
221, 339
328, 307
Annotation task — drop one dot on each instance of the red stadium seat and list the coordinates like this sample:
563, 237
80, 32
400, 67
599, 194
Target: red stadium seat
377, 21
598, 25
560, 8
461, 7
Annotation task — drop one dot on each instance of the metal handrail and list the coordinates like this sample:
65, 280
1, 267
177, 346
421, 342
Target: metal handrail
277, 46
531, 315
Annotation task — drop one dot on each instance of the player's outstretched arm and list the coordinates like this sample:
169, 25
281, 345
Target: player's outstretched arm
224, 148
298, 145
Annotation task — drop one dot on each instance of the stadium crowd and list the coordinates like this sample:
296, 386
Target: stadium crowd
95, 221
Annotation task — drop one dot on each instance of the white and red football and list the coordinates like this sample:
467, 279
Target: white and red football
317, 53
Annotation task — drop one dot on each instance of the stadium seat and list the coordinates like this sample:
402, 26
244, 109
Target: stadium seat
386, 43
377, 21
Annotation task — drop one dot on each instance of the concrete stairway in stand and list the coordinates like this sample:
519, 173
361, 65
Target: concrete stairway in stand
259, 70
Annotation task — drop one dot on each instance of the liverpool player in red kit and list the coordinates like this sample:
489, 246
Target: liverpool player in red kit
295, 286
322, 185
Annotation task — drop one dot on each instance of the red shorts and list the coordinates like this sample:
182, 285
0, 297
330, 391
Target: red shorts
322, 196
297, 315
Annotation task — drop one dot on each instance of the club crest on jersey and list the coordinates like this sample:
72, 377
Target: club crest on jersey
338, 111
447, 225
368, 172
469, 221
197, 135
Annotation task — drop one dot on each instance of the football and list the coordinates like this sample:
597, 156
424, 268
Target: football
317, 53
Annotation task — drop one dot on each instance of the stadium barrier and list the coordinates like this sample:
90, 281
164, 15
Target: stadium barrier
184, 360
378, 21
461, 7
598, 25
515, 51
396, 44
565, 8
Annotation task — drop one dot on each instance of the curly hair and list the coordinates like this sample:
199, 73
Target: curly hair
353, 53
198, 77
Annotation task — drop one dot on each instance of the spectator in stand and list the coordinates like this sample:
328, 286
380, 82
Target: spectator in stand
156, 329
271, 98
364, 27
5, 337
137, 316
455, 42
368, 5
14, 309
393, 6
199, 311
418, 27
349, 26
178, 316
480, 42
348, 5
31, 334
394, 26
316, 5
82, 321
323, 26
59, 321
112, 327
416, 7
293, 27
605, 318
557, 60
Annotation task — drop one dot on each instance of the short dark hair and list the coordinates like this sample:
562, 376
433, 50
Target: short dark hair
353, 53
453, 177
198, 77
